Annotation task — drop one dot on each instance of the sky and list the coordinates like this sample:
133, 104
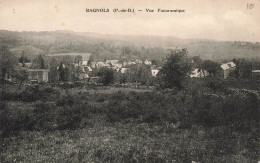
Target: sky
227, 20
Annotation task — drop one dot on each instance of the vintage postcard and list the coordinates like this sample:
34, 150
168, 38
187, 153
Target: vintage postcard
130, 81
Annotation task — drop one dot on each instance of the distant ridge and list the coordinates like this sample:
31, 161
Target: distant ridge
63, 41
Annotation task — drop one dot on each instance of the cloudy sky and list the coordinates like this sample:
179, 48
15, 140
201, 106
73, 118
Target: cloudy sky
204, 19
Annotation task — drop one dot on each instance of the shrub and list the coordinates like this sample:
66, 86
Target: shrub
70, 117
202, 103
30, 94
147, 107
45, 117
11, 122
67, 100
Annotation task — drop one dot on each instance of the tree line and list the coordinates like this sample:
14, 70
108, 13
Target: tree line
175, 69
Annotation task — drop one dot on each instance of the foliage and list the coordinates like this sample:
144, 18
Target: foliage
213, 68
78, 58
175, 69
139, 73
107, 75
157, 62
30, 94
202, 102
197, 61
54, 73
243, 69
203, 122
38, 63
23, 59
21, 75
62, 72
8, 62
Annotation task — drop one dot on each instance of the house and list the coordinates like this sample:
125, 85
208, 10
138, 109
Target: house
101, 64
118, 65
147, 62
154, 72
112, 61
26, 65
124, 70
39, 75
83, 76
138, 61
84, 63
256, 74
198, 73
93, 64
228, 68
125, 63
117, 69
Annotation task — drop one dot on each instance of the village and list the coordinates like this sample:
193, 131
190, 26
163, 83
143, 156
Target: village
87, 70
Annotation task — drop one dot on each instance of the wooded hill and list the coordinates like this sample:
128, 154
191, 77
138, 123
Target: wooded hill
123, 46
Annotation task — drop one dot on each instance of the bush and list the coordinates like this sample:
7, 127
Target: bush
30, 94
201, 103
146, 107
70, 117
11, 122
67, 100
45, 117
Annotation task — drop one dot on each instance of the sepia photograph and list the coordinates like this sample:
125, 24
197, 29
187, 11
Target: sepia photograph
118, 81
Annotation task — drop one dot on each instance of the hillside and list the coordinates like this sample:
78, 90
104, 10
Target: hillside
104, 45
224, 50
29, 50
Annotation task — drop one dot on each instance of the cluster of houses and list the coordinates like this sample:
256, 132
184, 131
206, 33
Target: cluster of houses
119, 66
227, 68
42, 75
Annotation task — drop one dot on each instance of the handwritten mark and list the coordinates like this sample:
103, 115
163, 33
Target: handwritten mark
14, 11
57, 8
250, 6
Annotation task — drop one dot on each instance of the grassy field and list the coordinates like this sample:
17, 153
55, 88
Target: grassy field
108, 124
125, 142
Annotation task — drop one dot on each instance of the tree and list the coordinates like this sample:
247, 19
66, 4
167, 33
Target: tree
38, 63
61, 72
197, 61
157, 62
91, 59
107, 75
77, 71
139, 73
213, 68
53, 71
20, 75
78, 58
8, 63
23, 59
243, 69
175, 69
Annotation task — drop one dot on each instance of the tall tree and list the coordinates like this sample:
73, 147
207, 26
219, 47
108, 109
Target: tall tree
175, 69
107, 75
197, 61
243, 68
53, 75
23, 58
38, 63
78, 59
8, 63
61, 72
212, 67
91, 59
